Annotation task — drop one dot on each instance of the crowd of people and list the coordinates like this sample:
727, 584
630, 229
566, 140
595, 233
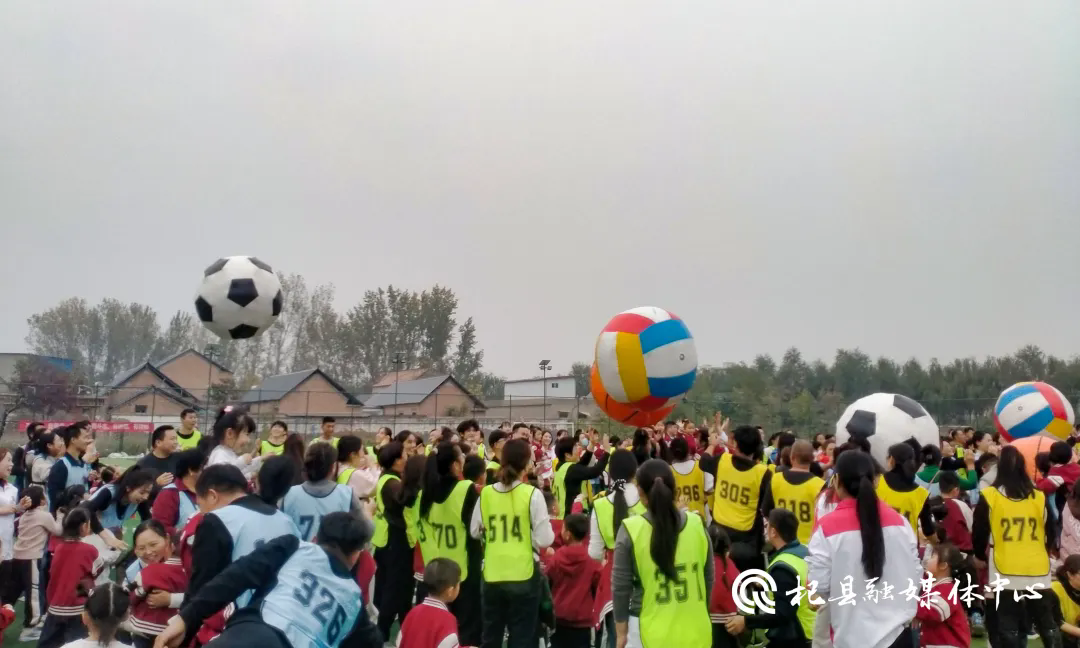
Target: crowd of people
524, 536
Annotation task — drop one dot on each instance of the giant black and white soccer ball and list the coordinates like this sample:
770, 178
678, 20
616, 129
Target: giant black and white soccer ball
884, 420
239, 298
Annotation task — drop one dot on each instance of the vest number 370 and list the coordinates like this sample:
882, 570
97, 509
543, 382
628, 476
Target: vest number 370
679, 587
513, 529
305, 594
1012, 529
734, 493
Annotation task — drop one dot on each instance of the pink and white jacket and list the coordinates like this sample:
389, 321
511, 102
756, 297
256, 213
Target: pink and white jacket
835, 564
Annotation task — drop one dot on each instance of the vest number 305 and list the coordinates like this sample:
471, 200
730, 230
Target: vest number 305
733, 493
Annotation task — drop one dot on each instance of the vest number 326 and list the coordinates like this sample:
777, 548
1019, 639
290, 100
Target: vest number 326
305, 594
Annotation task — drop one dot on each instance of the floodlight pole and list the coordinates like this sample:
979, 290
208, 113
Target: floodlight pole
398, 361
544, 366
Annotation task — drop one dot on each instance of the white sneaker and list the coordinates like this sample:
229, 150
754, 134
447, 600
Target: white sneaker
30, 634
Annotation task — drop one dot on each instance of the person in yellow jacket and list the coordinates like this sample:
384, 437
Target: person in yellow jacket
513, 521
1011, 533
326, 432
397, 490
741, 481
187, 435
796, 489
898, 489
1066, 587
609, 510
663, 562
469, 431
790, 625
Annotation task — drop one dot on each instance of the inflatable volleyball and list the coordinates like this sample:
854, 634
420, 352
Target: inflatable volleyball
645, 358
1033, 409
625, 414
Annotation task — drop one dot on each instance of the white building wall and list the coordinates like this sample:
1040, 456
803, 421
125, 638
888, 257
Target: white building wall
557, 387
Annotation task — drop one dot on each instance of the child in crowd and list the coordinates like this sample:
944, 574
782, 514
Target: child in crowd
74, 566
942, 620
36, 526
556, 525
721, 603
7, 617
106, 610
1066, 588
158, 589
430, 624
958, 515
574, 578
475, 470
1060, 475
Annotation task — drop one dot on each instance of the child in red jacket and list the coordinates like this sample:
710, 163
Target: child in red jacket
158, 589
943, 621
7, 617
75, 565
721, 603
431, 624
574, 578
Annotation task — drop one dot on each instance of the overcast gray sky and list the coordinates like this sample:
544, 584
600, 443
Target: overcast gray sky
897, 176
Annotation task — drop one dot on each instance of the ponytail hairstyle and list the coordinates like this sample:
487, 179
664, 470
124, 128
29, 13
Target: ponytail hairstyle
42, 442
389, 454
106, 609
275, 478
1012, 476
903, 456
320, 462
439, 477
231, 418
1069, 567
515, 460
621, 467
721, 546
855, 472
74, 521
564, 447
70, 498
412, 479
930, 455
347, 446
657, 482
947, 554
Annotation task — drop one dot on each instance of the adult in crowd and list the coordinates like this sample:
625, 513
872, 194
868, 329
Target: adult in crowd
1013, 532
574, 469
320, 495
741, 482
355, 467
445, 511
188, 436
609, 511
232, 434
10, 506
160, 462
863, 539
294, 450
175, 504
74, 468
47, 451
114, 504
796, 489
692, 484
23, 457
469, 431
663, 570
898, 489
513, 518
393, 551
275, 442
326, 432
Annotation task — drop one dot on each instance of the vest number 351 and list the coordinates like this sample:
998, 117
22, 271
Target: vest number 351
679, 587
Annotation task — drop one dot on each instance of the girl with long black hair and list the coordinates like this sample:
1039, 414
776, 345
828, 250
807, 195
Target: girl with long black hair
898, 489
609, 511
233, 430
1066, 601
863, 539
393, 551
446, 508
1013, 531
513, 519
663, 570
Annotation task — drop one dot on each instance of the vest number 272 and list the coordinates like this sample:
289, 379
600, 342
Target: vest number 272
1013, 528
305, 594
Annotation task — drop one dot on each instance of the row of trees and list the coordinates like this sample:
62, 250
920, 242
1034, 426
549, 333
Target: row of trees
810, 395
356, 346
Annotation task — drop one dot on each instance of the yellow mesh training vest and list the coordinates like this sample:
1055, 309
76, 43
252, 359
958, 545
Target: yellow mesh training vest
799, 500
508, 551
382, 527
735, 502
1019, 534
690, 489
442, 532
673, 613
908, 504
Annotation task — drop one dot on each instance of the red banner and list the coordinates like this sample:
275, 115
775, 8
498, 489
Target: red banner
101, 427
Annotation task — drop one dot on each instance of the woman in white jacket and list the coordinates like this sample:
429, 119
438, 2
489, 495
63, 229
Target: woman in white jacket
232, 434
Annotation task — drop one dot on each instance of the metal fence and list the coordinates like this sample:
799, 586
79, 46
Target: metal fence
124, 418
